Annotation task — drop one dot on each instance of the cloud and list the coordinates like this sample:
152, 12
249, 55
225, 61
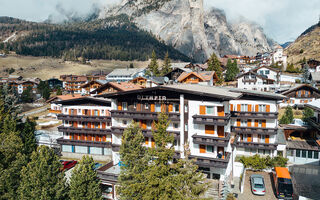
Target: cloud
40, 10
282, 20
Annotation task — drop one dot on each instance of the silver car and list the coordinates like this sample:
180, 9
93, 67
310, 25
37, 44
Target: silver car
257, 184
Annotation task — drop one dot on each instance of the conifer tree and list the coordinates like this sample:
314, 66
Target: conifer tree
42, 178
134, 162
166, 67
153, 68
215, 65
84, 183
28, 137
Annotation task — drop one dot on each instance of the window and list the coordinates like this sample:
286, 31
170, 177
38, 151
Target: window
102, 112
262, 139
176, 108
95, 112
315, 155
298, 153
309, 154
124, 122
262, 108
244, 122
148, 124
175, 125
209, 110
244, 107
267, 72
146, 106
299, 93
158, 107
186, 127
96, 125
79, 110
135, 105
124, 106
304, 153
209, 149
306, 94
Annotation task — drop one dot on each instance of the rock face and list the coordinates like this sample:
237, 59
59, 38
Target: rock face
185, 25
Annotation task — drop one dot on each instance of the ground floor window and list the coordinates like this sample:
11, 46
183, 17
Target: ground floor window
81, 149
66, 148
107, 151
304, 154
96, 150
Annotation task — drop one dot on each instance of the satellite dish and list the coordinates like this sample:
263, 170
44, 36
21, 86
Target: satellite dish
166, 79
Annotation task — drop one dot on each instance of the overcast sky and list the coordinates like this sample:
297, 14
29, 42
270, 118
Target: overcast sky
282, 20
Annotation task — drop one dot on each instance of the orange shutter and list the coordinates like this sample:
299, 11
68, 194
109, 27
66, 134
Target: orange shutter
152, 107
70, 136
89, 112
238, 122
170, 107
103, 125
76, 136
146, 140
249, 122
209, 129
75, 124
82, 136
267, 139
89, 137
249, 138
97, 138
221, 111
202, 110
104, 139
256, 123
257, 108
119, 106
89, 124
144, 124
86, 137
268, 108
98, 112
202, 148
69, 111
83, 113
249, 108
152, 143
231, 107
75, 112
264, 123
238, 107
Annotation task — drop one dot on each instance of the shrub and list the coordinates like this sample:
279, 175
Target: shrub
259, 163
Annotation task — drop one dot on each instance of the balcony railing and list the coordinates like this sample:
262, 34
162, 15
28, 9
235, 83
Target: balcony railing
255, 145
84, 118
55, 111
211, 140
256, 115
211, 120
62, 141
253, 80
142, 115
95, 131
211, 162
254, 130
145, 132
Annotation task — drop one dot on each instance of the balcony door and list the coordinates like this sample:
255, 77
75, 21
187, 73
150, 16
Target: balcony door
220, 131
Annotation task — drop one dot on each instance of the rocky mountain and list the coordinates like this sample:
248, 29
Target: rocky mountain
195, 32
307, 45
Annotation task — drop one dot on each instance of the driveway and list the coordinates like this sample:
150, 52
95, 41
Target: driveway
306, 180
247, 194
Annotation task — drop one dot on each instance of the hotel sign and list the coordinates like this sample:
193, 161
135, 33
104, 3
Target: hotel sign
151, 98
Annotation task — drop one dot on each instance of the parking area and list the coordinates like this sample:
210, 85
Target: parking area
247, 194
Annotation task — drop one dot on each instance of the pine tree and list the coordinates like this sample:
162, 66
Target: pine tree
42, 178
287, 117
166, 67
306, 73
28, 136
153, 68
215, 65
133, 164
307, 114
232, 70
84, 183
26, 95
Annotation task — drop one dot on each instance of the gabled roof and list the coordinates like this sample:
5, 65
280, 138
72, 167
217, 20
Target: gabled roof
157, 80
270, 68
76, 78
125, 72
64, 97
101, 82
86, 99
257, 75
204, 76
314, 105
123, 86
267, 95
300, 86
180, 65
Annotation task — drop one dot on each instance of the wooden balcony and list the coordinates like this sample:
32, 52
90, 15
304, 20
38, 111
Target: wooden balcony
252, 80
211, 162
62, 141
255, 145
54, 111
84, 118
94, 131
211, 120
255, 115
142, 115
211, 140
254, 130
145, 132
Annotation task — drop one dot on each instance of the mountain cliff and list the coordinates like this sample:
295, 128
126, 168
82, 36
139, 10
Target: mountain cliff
305, 46
195, 32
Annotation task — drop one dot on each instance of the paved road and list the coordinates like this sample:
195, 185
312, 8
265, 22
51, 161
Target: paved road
248, 195
306, 180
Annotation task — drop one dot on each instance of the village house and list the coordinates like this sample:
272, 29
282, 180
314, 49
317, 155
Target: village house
92, 85
127, 74
205, 78
145, 82
73, 83
112, 87
253, 81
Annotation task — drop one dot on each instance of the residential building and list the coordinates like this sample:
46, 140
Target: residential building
268, 72
73, 83
205, 78
127, 74
149, 81
55, 83
56, 107
86, 124
279, 57
112, 87
23, 85
315, 78
314, 65
253, 81
300, 95
92, 85
176, 72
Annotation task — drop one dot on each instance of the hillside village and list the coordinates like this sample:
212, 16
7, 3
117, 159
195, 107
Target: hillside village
222, 121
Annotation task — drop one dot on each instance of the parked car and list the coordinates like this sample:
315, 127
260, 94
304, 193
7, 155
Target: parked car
97, 165
257, 184
68, 164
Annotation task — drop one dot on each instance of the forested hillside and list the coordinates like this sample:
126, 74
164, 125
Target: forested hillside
112, 38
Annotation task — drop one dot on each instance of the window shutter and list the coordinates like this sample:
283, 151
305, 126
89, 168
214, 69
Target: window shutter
249, 138
146, 139
238, 123
231, 107
257, 108
249, 122
264, 123
202, 148
268, 108
249, 108
221, 111
256, 123
152, 107
202, 110
209, 129
119, 106
267, 139
238, 107
170, 107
